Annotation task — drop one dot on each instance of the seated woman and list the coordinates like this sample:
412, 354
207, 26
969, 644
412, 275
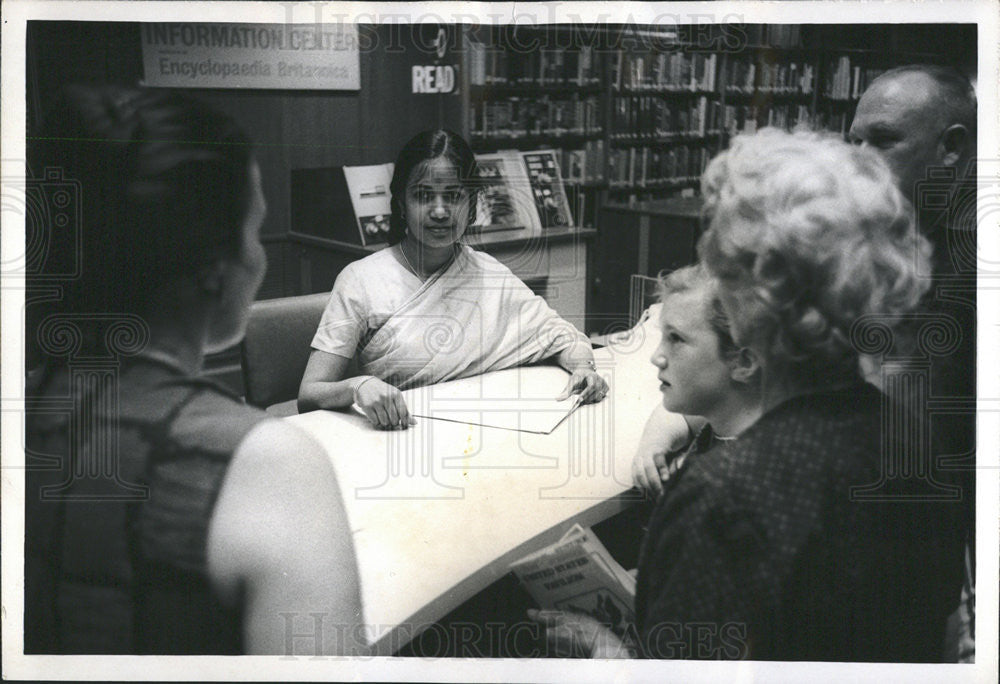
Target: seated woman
773, 546
163, 515
429, 309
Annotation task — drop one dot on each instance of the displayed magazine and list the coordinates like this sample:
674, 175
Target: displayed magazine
505, 201
368, 187
578, 575
547, 189
521, 190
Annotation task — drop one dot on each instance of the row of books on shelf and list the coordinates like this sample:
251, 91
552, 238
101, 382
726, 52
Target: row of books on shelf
494, 65
777, 35
654, 166
647, 116
517, 116
748, 118
673, 71
583, 164
839, 122
744, 75
846, 82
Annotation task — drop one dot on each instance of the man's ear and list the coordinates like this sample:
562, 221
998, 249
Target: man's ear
211, 277
954, 142
744, 366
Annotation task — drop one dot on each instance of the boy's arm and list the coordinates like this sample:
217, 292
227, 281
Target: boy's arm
665, 433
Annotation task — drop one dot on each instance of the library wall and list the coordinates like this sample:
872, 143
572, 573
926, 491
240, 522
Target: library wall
633, 115
292, 129
637, 114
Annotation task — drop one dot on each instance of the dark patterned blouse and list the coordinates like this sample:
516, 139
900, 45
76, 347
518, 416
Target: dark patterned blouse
814, 536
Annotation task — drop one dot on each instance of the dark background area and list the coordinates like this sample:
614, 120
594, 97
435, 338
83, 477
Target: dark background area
298, 129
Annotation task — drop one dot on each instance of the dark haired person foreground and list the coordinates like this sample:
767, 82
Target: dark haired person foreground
921, 119
428, 308
776, 545
163, 515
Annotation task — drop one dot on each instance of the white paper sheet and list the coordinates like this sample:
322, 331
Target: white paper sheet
510, 400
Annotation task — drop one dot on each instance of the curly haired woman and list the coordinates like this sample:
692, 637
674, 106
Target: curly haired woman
766, 546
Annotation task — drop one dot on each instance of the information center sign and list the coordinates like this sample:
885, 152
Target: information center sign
277, 56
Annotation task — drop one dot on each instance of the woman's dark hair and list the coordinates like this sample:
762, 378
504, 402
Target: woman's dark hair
163, 187
421, 148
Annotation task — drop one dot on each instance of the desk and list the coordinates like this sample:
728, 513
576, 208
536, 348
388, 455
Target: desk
439, 511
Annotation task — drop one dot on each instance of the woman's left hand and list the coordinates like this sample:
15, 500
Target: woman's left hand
588, 384
572, 635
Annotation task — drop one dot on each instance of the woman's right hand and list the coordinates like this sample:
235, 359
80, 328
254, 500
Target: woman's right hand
383, 404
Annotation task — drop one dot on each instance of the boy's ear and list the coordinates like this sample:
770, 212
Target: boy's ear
744, 366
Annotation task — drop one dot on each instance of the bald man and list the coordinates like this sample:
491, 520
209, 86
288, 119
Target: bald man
918, 117
922, 119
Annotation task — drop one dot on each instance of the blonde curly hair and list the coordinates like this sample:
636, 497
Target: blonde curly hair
806, 234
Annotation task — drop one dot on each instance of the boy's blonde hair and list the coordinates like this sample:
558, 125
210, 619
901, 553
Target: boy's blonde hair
693, 278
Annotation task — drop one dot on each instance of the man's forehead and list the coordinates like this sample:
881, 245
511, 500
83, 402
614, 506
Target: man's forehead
902, 99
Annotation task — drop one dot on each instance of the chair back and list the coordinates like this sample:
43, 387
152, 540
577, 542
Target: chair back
276, 347
643, 293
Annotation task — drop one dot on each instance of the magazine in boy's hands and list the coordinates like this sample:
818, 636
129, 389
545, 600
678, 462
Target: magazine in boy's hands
578, 575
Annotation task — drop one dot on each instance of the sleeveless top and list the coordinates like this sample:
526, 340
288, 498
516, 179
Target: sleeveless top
121, 487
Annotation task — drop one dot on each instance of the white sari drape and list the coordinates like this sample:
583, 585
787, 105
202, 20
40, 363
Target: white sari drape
471, 317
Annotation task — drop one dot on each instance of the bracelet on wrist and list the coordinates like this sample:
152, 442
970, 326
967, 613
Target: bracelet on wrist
358, 385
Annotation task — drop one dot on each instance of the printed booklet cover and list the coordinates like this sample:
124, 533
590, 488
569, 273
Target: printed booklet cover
577, 574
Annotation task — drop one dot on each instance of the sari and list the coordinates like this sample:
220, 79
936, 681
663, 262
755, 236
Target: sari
471, 317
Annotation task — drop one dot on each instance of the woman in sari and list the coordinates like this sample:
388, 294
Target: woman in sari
428, 309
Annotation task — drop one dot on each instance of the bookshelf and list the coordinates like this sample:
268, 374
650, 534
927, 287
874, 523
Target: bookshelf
665, 115
674, 101
542, 88
636, 113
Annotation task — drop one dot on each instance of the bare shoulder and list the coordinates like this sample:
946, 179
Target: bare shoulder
280, 541
278, 480
276, 447
272, 434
